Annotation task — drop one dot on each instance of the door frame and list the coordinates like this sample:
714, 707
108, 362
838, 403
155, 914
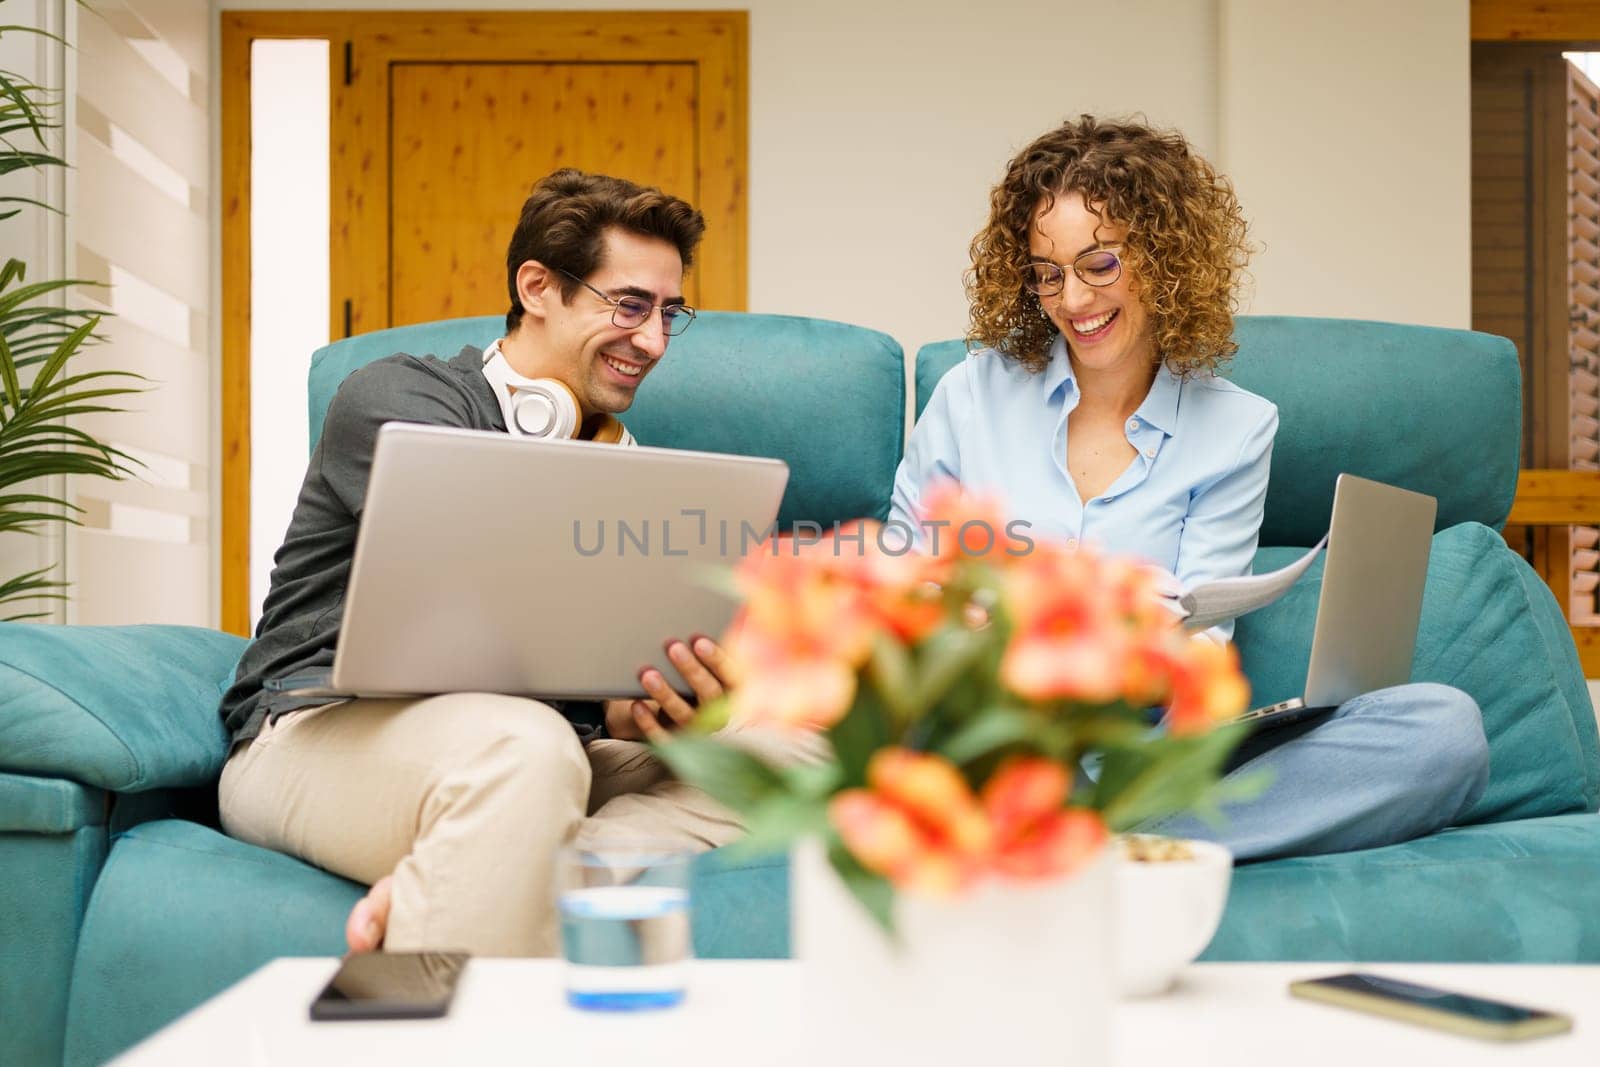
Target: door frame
716, 41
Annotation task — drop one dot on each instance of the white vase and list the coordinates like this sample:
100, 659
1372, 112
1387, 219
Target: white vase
1014, 973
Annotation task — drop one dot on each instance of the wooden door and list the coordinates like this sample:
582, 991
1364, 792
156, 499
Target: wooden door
440, 124
445, 124
463, 161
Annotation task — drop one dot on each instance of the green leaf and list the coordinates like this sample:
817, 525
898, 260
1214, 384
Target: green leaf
988, 732
36, 30
30, 586
863, 730
712, 717
778, 822
731, 776
1234, 789
944, 659
873, 892
8, 375
30, 202
1110, 730
816, 780
19, 96
1167, 776
889, 670
15, 161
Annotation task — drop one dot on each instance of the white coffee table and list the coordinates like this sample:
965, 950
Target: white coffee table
748, 1012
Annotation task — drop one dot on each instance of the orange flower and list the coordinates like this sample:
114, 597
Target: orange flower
797, 642
788, 692
901, 589
1087, 628
1207, 687
958, 523
1147, 671
1057, 845
1067, 643
1035, 837
811, 612
917, 824
804, 608
1056, 661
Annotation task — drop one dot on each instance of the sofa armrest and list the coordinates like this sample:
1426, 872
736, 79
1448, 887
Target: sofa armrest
1487, 628
124, 708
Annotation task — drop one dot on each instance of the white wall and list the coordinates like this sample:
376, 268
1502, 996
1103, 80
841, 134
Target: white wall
876, 129
140, 223
1345, 125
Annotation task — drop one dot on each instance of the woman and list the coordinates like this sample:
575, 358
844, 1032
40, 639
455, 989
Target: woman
1102, 288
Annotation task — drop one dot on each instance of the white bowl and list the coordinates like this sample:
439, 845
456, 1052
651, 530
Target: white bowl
1166, 914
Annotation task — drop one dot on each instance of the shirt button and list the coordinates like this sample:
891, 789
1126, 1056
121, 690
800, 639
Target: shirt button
1133, 425
1150, 453
1072, 542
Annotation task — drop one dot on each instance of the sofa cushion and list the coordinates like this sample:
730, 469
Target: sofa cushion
124, 708
1452, 396
1518, 892
824, 397
181, 912
1483, 631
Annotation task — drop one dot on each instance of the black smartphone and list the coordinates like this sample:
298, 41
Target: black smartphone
1458, 1013
390, 985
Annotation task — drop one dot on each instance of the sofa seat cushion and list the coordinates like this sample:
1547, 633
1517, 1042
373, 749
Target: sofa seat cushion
1486, 629
124, 708
1517, 892
181, 912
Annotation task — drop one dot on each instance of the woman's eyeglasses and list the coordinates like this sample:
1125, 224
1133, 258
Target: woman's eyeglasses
1097, 267
631, 312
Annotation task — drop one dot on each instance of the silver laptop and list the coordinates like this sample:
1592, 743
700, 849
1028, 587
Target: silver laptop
487, 562
1371, 603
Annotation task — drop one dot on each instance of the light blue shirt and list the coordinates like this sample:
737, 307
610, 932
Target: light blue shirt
1190, 502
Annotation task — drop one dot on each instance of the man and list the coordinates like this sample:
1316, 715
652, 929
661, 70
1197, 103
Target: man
452, 807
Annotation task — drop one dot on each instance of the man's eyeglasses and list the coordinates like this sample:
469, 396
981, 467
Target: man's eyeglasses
631, 312
1099, 266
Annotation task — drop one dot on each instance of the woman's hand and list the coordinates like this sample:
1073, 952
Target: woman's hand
704, 666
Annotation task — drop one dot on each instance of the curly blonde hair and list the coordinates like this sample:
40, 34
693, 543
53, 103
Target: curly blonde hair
1186, 241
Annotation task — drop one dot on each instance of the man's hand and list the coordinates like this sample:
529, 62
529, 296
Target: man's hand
704, 667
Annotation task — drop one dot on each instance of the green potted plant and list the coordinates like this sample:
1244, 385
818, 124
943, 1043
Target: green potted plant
39, 392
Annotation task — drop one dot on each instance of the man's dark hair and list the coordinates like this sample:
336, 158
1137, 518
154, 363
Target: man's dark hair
564, 220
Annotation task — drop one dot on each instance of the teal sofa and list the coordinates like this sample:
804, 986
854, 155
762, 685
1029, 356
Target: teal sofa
122, 905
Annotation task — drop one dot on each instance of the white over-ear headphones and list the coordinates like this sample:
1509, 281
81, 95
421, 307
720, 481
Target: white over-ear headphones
542, 407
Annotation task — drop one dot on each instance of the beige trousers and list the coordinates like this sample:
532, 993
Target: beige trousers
465, 800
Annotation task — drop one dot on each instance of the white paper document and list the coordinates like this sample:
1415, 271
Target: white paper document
1217, 601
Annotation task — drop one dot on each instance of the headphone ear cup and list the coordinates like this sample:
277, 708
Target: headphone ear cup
612, 432
545, 408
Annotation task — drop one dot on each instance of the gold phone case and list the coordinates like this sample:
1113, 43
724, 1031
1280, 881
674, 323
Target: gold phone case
1405, 1011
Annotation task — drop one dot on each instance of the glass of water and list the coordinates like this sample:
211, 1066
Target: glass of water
624, 926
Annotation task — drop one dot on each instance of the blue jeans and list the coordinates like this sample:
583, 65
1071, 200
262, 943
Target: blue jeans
1382, 768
